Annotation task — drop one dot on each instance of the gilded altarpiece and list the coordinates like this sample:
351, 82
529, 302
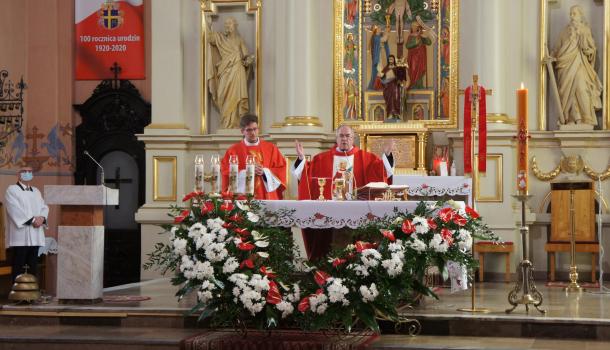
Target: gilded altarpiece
396, 63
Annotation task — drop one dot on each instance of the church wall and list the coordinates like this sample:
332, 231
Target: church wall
37, 43
499, 41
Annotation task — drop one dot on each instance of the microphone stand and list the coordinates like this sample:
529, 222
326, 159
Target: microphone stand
98, 164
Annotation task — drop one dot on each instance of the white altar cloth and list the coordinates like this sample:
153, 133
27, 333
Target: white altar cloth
426, 186
330, 214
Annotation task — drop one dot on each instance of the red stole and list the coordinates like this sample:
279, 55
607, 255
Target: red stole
264, 153
482, 165
367, 168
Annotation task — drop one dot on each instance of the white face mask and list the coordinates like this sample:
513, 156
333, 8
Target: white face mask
26, 176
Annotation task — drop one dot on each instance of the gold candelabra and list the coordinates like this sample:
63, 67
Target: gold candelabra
573, 286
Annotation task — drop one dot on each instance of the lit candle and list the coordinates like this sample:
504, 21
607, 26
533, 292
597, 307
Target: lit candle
522, 136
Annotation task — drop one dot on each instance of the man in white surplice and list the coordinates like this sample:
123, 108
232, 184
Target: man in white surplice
27, 217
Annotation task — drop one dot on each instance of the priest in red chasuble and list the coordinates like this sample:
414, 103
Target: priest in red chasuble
270, 165
364, 166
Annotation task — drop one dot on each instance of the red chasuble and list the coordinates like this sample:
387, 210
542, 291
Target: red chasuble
367, 168
266, 154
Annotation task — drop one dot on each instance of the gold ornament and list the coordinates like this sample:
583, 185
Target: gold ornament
542, 175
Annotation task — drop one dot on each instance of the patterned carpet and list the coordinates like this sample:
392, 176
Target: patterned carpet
277, 340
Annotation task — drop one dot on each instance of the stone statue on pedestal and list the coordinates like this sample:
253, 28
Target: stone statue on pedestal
578, 85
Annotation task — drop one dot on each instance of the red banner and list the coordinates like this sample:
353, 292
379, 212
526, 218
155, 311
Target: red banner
109, 31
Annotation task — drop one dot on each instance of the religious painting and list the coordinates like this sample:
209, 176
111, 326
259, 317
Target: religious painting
229, 88
399, 54
573, 68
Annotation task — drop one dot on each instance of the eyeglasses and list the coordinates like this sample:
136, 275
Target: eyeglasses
250, 129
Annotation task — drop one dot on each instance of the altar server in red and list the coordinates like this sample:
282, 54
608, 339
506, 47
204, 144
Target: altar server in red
270, 165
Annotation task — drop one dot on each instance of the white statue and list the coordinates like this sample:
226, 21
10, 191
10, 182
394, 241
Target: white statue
227, 72
578, 85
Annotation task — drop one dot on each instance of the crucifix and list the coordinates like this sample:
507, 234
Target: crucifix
116, 70
117, 182
471, 130
34, 136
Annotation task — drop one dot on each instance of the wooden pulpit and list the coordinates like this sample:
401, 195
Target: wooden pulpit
80, 238
584, 218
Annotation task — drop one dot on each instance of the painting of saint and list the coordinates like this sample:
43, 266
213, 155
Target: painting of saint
350, 53
378, 38
351, 99
417, 57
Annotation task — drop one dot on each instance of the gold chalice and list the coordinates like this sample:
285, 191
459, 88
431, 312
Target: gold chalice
321, 183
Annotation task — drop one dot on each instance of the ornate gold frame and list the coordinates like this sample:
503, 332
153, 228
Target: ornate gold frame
543, 20
173, 162
339, 88
210, 6
498, 182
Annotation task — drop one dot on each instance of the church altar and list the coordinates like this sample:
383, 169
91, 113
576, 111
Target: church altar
330, 214
427, 186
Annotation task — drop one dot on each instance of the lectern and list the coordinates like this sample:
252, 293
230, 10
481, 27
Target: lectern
80, 238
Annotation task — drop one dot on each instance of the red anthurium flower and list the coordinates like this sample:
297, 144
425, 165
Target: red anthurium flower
245, 246
319, 291
227, 206
178, 219
242, 232
459, 220
236, 218
273, 295
446, 214
408, 227
338, 262
388, 234
264, 271
432, 224
472, 213
191, 195
246, 263
207, 207
241, 197
446, 233
360, 246
321, 277
227, 195
228, 225
303, 305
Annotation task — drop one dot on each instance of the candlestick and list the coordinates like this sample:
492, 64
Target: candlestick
215, 174
522, 138
249, 174
199, 173
233, 171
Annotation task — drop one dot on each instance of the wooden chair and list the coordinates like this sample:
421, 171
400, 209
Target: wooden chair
491, 247
584, 217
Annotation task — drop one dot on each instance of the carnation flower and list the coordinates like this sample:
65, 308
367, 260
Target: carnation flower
438, 244
421, 224
286, 308
337, 291
180, 246
417, 245
369, 293
370, 257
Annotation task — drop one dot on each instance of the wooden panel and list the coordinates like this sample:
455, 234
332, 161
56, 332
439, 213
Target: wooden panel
584, 206
81, 215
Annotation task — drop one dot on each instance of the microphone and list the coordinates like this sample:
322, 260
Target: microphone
98, 164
